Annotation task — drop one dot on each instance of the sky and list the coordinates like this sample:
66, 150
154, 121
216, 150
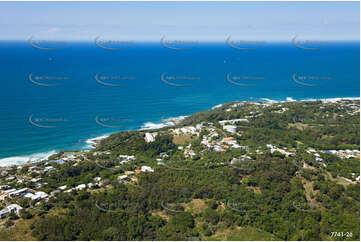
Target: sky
188, 21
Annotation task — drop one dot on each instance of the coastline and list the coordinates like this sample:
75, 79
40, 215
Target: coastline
92, 142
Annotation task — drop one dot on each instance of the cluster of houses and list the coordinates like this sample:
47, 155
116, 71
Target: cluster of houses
188, 130
188, 151
26, 178
349, 106
97, 183
273, 148
222, 145
344, 153
10, 193
228, 125
233, 121
316, 154
209, 140
233, 143
241, 159
125, 159
23, 192
129, 176
101, 153
281, 110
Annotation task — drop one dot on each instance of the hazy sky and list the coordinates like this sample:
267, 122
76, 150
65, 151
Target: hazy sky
149, 21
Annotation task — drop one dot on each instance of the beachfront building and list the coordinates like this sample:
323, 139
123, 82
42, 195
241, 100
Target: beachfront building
236, 105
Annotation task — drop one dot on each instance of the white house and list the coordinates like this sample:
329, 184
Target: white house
147, 168
3, 187
150, 137
37, 196
14, 208
9, 209
232, 121
127, 157
80, 187
48, 168
230, 128
62, 187
122, 177
19, 192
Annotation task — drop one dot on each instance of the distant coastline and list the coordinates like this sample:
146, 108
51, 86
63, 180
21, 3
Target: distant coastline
91, 142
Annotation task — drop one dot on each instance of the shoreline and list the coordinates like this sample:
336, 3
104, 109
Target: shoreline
168, 122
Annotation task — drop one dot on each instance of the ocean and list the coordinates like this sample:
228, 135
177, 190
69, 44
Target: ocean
54, 99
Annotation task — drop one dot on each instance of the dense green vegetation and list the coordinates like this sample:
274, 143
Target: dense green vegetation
203, 197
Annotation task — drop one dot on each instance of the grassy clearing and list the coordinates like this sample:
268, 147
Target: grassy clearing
242, 234
255, 189
311, 194
196, 206
161, 213
182, 139
299, 126
338, 180
19, 231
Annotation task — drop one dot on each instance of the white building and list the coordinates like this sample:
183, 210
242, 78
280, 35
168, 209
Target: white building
48, 168
319, 159
90, 185
127, 157
19, 192
37, 196
230, 128
232, 121
122, 177
62, 187
80, 187
147, 168
186, 130
69, 190
237, 105
4, 187
150, 137
9, 209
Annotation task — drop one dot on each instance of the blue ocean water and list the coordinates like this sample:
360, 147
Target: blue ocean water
99, 91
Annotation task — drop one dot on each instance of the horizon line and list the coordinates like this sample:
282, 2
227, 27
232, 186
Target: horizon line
193, 42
